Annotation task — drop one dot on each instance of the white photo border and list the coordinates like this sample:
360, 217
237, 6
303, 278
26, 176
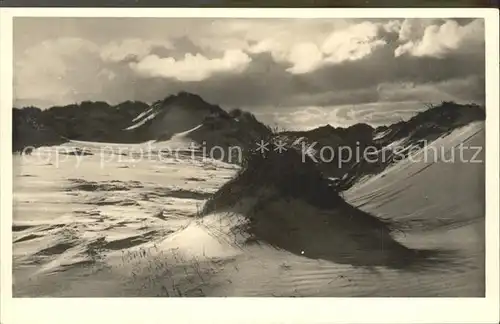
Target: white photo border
254, 310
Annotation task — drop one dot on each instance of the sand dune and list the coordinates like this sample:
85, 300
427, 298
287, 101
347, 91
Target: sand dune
143, 230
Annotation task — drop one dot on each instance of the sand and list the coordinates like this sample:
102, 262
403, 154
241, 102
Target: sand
133, 228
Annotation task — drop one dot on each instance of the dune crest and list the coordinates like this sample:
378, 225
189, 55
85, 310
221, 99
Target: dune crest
287, 202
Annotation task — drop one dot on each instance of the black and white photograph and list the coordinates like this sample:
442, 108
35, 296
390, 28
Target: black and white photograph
249, 157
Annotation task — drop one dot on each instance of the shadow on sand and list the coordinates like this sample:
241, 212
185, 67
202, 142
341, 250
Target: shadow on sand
291, 206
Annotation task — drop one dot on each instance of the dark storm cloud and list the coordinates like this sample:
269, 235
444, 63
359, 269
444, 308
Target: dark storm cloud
266, 82
180, 47
256, 64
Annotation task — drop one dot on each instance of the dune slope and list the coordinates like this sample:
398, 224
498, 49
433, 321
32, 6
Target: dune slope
181, 226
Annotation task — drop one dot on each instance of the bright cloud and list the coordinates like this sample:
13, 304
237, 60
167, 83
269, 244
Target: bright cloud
305, 57
250, 63
426, 38
118, 51
192, 67
353, 43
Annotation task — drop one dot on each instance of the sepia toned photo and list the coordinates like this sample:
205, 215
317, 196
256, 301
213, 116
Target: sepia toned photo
193, 157
158, 158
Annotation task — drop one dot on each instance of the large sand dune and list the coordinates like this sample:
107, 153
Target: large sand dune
130, 227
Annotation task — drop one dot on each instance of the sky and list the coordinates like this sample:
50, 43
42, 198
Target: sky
295, 73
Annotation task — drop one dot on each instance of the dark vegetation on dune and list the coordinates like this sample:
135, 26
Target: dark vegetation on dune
135, 122
424, 127
291, 205
87, 121
210, 126
288, 198
288, 171
285, 172
101, 122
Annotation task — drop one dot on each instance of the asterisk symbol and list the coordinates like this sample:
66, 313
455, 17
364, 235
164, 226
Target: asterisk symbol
193, 146
262, 146
280, 146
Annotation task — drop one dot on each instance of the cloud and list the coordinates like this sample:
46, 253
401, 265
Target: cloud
58, 70
305, 57
255, 64
299, 119
132, 48
392, 26
412, 28
277, 49
348, 44
353, 43
458, 90
193, 67
379, 113
438, 39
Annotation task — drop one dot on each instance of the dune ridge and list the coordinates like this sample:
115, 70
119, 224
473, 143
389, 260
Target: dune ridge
272, 225
289, 204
